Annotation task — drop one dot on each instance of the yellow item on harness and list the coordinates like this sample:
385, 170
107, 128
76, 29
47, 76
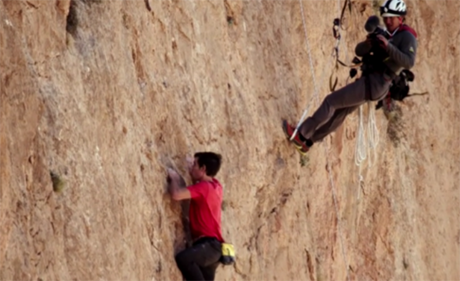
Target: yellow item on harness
228, 254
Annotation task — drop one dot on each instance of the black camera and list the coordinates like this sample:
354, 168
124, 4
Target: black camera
378, 31
373, 28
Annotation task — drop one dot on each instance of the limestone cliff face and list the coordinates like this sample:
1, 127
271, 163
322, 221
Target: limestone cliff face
105, 94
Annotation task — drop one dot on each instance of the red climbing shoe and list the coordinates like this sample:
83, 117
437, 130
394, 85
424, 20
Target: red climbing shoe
289, 131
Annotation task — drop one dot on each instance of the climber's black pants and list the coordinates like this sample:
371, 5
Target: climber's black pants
200, 261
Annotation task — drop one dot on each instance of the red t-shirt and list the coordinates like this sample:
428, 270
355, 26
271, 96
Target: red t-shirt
205, 209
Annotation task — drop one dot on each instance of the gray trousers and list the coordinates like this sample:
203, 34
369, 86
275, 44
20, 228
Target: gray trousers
337, 105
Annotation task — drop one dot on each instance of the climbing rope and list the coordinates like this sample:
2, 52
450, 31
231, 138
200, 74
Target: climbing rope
361, 148
315, 96
334, 55
373, 132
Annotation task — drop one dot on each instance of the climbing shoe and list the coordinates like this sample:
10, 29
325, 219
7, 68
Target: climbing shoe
301, 146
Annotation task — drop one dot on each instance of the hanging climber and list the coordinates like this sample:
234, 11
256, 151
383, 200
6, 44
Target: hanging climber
385, 53
200, 261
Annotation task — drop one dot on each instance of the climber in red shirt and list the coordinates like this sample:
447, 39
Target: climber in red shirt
200, 261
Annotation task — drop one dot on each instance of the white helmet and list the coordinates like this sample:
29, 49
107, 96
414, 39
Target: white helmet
393, 8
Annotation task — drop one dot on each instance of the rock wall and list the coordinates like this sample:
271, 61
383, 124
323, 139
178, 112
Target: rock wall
106, 94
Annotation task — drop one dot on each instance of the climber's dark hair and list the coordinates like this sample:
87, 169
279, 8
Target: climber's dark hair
210, 160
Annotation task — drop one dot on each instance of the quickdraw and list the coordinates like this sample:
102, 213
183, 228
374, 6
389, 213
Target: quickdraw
337, 25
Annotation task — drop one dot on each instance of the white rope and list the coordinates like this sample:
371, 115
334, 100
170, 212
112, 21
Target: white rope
360, 183
334, 195
373, 133
372, 138
361, 148
312, 70
364, 148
